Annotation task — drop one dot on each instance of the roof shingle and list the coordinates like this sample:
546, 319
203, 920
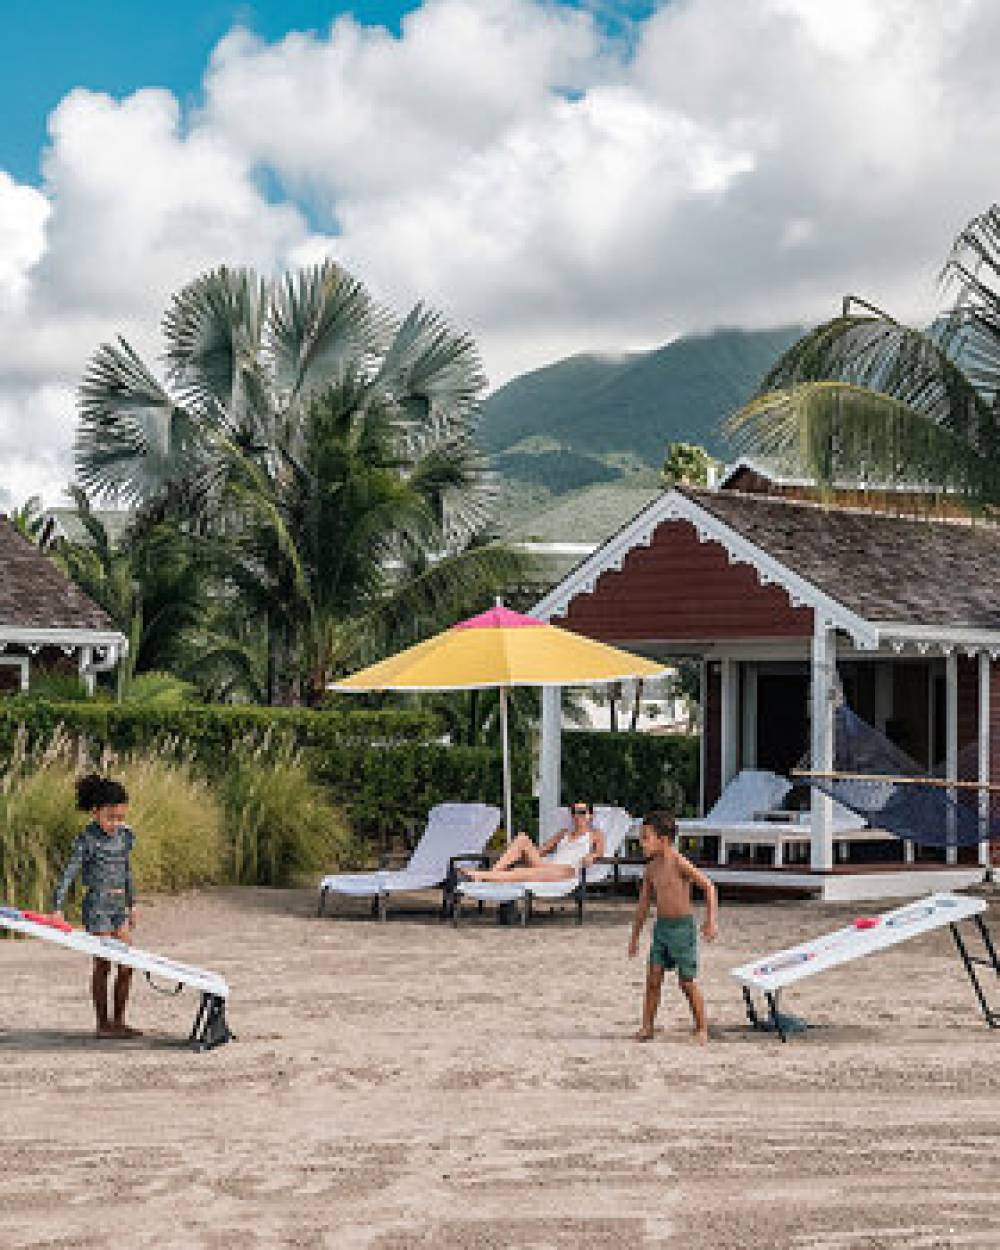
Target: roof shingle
883, 568
36, 594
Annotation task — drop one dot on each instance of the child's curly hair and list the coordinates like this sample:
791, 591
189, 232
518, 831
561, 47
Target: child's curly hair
94, 791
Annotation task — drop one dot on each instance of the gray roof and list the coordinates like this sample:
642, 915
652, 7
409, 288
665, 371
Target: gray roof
36, 594
883, 568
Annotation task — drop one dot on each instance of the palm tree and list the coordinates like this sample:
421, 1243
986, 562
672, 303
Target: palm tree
29, 519
328, 447
152, 586
867, 400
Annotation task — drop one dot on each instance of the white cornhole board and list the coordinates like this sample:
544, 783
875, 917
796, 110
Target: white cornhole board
772, 973
210, 1028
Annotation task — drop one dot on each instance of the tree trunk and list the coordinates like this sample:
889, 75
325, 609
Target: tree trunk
284, 683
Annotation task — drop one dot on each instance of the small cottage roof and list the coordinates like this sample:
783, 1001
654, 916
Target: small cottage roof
40, 605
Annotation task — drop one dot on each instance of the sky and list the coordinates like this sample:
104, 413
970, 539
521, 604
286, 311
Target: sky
555, 177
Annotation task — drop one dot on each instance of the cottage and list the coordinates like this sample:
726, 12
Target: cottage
785, 601
46, 620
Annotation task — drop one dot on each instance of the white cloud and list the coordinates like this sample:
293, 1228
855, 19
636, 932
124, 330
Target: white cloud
23, 214
743, 164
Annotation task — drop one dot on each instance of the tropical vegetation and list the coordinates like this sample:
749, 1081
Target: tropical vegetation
866, 400
312, 452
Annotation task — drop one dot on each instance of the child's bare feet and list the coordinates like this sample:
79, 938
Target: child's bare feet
644, 1035
106, 1030
701, 1036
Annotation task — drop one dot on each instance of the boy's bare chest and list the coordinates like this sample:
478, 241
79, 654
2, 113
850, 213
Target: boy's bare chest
669, 886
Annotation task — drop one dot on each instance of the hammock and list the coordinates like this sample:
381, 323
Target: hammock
875, 778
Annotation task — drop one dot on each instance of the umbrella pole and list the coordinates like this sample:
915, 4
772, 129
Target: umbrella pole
505, 739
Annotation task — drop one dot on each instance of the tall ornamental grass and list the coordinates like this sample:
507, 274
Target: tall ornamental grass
282, 826
177, 817
178, 823
38, 821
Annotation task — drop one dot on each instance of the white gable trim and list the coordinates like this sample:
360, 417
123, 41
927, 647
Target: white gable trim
69, 639
675, 506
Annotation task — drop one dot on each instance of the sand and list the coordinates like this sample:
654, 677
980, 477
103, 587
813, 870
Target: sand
407, 1085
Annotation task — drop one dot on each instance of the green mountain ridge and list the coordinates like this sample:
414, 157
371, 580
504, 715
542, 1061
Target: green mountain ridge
606, 408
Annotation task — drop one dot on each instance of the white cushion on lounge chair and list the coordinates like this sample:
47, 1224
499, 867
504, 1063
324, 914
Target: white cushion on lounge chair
613, 822
750, 791
452, 829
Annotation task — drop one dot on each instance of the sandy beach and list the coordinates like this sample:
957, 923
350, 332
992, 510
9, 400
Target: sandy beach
406, 1085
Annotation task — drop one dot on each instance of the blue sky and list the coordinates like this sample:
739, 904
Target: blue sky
106, 45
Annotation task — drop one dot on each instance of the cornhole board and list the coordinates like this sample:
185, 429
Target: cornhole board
210, 1026
770, 974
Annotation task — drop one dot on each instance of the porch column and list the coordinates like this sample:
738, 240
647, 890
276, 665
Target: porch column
702, 724
88, 678
550, 761
984, 757
730, 720
951, 746
749, 756
824, 664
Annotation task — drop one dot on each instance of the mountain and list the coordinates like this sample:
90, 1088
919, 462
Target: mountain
588, 418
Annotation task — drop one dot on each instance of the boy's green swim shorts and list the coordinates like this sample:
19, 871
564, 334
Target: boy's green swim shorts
675, 945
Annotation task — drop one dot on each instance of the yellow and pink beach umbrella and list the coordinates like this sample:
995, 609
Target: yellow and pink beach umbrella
501, 648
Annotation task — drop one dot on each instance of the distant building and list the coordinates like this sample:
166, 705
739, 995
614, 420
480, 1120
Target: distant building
46, 620
61, 525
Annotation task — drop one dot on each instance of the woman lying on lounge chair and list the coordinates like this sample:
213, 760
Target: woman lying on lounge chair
559, 858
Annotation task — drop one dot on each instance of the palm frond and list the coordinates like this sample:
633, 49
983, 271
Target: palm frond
878, 354
433, 373
839, 431
443, 593
132, 439
974, 269
213, 329
322, 321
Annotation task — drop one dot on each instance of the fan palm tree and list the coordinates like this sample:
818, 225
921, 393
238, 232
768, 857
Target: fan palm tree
327, 445
867, 400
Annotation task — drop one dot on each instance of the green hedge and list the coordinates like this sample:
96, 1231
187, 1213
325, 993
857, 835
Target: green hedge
387, 788
636, 771
212, 732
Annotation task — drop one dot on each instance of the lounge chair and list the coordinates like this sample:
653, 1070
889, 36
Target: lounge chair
748, 812
614, 822
452, 829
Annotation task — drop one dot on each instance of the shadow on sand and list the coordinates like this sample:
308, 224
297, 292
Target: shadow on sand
46, 1040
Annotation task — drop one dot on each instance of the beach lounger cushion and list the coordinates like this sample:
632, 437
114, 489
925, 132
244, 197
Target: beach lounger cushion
750, 791
452, 828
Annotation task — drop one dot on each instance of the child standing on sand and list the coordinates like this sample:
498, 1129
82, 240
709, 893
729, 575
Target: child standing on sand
669, 876
101, 853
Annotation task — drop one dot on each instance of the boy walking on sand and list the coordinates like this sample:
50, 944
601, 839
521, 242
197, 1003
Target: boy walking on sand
669, 876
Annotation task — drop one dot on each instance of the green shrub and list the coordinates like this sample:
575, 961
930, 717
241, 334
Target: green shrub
632, 770
281, 823
159, 690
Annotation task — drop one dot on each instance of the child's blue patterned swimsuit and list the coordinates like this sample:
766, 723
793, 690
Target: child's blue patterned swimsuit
103, 859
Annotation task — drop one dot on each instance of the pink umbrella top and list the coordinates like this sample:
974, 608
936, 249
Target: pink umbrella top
500, 617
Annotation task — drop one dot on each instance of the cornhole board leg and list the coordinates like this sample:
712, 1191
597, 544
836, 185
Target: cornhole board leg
210, 1028
971, 961
777, 1021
